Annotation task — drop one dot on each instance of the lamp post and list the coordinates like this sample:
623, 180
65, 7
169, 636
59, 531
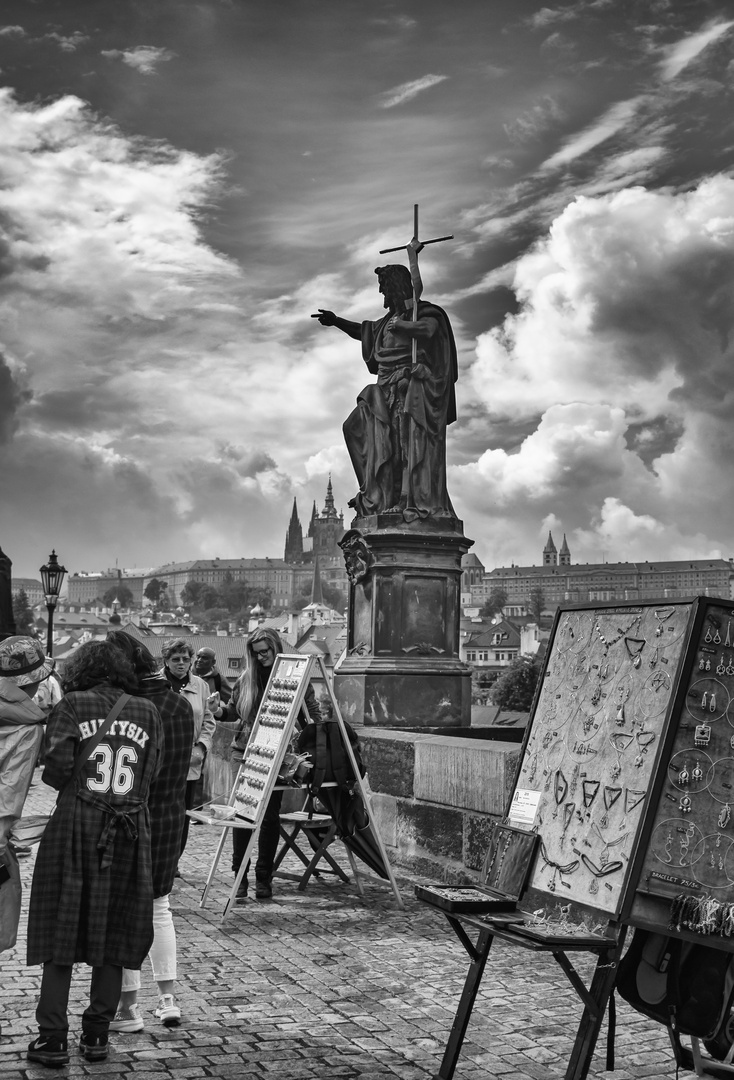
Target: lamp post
52, 576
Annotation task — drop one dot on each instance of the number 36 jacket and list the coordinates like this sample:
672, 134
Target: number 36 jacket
92, 893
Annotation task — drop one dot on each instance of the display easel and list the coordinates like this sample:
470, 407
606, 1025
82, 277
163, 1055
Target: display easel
624, 703
257, 776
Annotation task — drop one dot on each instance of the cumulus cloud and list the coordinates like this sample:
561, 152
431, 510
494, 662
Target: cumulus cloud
145, 397
143, 58
623, 352
407, 91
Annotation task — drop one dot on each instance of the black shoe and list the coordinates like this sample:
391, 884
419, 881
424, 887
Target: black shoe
94, 1047
241, 893
263, 890
47, 1050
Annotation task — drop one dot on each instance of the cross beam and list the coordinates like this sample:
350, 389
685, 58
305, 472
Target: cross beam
414, 271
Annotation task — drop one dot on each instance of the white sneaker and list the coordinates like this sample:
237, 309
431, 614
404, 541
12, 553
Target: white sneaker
128, 1020
168, 1011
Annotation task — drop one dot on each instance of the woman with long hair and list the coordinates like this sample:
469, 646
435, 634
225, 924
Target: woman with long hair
167, 807
261, 648
92, 892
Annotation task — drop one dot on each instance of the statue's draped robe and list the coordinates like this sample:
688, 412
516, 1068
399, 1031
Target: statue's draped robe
429, 405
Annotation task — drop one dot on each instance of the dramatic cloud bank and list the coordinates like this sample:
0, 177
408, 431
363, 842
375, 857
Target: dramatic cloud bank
621, 358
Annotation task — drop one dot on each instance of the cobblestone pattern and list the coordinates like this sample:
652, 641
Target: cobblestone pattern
321, 984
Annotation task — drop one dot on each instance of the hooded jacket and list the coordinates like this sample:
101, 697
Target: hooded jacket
21, 735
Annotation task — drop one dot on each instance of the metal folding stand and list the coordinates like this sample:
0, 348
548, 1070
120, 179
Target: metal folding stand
594, 998
321, 832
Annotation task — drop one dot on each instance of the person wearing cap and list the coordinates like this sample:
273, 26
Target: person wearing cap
23, 667
205, 666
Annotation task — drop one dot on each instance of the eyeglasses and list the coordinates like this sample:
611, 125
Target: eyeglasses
262, 652
179, 659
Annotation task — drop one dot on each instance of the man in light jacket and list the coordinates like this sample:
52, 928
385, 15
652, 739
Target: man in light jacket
23, 666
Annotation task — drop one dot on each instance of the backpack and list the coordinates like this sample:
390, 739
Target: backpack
684, 985
331, 764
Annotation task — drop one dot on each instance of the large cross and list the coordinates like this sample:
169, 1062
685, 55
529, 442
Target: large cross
415, 277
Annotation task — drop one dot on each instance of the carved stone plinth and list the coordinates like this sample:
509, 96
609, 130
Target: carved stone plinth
402, 666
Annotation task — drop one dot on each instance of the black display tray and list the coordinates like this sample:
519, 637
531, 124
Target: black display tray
470, 899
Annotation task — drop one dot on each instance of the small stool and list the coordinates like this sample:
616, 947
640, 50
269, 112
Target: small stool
320, 830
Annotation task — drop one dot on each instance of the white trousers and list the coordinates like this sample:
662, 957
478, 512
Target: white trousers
162, 953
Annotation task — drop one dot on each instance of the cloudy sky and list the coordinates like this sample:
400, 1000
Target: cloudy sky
183, 182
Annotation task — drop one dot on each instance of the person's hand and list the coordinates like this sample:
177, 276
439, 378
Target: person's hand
197, 755
326, 318
212, 702
415, 246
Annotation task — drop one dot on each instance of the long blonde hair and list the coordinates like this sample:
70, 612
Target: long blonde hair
245, 689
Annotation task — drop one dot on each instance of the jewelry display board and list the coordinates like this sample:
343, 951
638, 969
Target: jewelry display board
594, 742
271, 735
688, 862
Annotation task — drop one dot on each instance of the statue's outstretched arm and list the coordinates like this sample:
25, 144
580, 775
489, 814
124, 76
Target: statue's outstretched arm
328, 318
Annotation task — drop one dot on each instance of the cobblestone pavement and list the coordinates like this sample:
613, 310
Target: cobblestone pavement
321, 983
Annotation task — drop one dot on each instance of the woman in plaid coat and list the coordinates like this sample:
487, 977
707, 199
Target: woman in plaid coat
92, 893
167, 806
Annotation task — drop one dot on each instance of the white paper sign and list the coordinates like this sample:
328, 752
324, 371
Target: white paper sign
524, 807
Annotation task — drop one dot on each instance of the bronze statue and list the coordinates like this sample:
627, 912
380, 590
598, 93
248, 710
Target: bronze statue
7, 618
396, 436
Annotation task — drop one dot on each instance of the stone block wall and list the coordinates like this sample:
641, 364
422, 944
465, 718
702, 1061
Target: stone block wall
433, 798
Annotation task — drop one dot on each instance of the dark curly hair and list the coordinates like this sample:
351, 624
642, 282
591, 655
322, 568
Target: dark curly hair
141, 658
396, 282
96, 662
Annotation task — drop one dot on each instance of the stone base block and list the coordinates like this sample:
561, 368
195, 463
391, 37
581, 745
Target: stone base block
400, 699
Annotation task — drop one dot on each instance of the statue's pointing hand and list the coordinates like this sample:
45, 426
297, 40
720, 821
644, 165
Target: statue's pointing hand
326, 318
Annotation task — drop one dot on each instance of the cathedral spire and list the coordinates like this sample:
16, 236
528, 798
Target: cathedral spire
550, 552
294, 538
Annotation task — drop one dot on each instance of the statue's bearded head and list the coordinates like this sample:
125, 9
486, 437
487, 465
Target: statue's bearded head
395, 284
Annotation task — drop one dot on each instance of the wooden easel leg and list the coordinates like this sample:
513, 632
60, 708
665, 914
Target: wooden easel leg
212, 871
466, 1004
360, 783
593, 1016
240, 873
355, 872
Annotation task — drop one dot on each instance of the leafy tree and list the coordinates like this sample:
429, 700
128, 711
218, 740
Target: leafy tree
334, 597
23, 613
121, 593
515, 687
200, 595
494, 603
536, 602
154, 588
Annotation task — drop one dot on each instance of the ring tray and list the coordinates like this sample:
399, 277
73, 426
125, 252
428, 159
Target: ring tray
505, 875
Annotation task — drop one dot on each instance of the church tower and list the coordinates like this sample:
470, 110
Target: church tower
294, 539
564, 555
550, 553
328, 528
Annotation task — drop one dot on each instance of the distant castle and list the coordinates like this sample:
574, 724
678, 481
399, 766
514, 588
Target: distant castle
325, 530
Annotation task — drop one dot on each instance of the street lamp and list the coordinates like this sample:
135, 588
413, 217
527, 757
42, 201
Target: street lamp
52, 576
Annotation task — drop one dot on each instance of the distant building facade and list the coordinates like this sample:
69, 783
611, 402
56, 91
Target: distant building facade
565, 583
32, 588
84, 589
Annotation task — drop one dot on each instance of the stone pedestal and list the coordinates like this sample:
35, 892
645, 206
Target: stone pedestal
402, 666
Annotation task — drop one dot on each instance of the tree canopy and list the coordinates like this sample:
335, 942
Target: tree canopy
22, 613
515, 687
